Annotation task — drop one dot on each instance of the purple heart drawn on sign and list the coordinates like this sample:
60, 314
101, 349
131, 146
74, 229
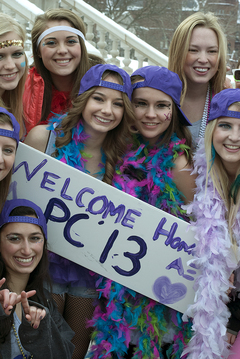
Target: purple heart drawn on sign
168, 293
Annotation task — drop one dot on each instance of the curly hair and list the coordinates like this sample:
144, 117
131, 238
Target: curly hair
116, 140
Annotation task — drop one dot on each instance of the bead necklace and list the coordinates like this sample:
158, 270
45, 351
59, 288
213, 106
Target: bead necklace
205, 113
19, 343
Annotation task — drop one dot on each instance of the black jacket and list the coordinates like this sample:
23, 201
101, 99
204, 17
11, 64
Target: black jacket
51, 340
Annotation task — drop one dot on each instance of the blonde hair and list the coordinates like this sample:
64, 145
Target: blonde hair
219, 176
179, 47
116, 140
40, 25
5, 182
12, 99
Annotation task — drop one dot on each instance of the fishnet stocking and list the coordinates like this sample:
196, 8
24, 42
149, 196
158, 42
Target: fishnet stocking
60, 301
77, 311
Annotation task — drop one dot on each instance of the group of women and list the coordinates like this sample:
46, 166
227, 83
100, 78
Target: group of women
137, 134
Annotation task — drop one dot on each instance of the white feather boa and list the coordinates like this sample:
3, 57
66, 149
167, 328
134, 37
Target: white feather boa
216, 260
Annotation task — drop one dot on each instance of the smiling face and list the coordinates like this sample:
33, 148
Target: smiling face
21, 247
104, 109
153, 112
12, 63
226, 141
8, 148
60, 51
202, 59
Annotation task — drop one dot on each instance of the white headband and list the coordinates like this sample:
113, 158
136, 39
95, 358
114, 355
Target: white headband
59, 28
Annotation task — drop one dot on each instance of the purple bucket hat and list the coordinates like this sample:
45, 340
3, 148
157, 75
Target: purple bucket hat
14, 203
16, 127
162, 79
93, 77
220, 103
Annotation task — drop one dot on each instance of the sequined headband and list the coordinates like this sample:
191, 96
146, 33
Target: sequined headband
9, 43
59, 28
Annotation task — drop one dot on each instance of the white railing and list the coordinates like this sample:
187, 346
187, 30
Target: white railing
120, 38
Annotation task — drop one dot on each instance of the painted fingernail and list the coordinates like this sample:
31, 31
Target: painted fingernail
41, 317
35, 326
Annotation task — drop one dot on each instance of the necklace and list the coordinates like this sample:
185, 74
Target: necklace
205, 113
19, 343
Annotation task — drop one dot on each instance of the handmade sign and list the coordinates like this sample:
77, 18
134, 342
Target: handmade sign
108, 231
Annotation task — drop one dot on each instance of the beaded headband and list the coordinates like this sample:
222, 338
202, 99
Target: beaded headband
59, 28
9, 43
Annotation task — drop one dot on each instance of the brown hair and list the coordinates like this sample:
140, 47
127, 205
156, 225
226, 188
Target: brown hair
115, 142
175, 125
38, 277
179, 48
40, 25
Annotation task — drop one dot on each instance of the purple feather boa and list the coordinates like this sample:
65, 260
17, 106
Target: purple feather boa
216, 261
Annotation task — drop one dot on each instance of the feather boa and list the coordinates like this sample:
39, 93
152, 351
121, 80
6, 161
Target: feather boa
74, 152
63, 270
216, 261
144, 173
157, 187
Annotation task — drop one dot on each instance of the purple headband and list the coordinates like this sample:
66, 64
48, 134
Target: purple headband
16, 127
14, 203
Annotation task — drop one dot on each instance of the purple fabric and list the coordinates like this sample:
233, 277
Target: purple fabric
64, 271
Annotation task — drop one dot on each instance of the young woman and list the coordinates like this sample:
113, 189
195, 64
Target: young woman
197, 54
29, 328
91, 138
60, 61
13, 67
156, 169
9, 138
217, 226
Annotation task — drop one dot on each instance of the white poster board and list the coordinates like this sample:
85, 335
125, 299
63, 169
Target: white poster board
108, 231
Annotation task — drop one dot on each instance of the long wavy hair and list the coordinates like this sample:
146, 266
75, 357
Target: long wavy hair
179, 47
5, 183
40, 25
38, 276
175, 126
12, 99
116, 140
219, 176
